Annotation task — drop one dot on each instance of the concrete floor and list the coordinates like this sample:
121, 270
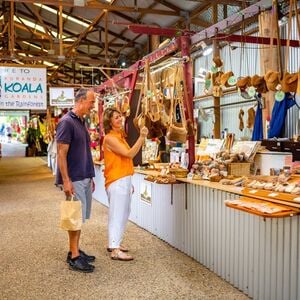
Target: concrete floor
13, 149
33, 250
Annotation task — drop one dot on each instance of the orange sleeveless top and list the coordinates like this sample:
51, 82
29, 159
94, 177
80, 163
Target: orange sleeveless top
115, 165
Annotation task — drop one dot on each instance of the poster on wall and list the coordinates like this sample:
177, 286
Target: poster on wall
61, 96
23, 87
146, 192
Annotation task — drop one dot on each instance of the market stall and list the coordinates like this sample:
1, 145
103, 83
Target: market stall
229, 201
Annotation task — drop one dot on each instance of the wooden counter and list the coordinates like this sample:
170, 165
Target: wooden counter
282, 198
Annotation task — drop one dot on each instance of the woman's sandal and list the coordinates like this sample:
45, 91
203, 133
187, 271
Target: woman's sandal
120, 255
122, 248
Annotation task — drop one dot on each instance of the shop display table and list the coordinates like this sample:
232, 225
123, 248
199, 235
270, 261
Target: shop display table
258, 255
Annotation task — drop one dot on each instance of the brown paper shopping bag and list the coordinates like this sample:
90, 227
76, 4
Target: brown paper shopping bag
70, 214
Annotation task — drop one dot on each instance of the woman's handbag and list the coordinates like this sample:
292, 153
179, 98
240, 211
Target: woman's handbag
71, 214
177, 131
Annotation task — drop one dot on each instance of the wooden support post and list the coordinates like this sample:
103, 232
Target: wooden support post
74, 71
11, 39
106, 35
216, 52
188, 78
269, 58
61, 52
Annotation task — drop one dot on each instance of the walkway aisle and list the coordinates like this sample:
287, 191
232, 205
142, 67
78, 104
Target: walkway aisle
33, 250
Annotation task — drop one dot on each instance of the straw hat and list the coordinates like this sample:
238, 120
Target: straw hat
244, 82
218, 61
225, 77
289, 82
272, 80
259, 83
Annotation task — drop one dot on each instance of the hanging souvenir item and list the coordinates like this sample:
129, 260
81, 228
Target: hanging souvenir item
289, 80
125, 107
177, 130
242, 84
217, 61
258, 82
241, 118
272, 80
251, 118
225, 78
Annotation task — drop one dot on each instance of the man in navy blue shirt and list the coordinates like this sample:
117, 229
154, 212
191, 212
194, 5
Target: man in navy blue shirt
76, 170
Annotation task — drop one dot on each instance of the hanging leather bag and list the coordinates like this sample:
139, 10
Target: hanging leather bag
177, 131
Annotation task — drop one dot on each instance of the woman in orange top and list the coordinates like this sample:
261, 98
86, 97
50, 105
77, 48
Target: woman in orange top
118, 171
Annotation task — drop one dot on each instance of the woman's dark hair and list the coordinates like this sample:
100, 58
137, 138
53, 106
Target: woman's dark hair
107, 115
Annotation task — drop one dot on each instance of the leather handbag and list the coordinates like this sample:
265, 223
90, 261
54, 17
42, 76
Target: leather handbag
177, 131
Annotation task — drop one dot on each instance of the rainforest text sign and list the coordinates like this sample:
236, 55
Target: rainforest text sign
23, 87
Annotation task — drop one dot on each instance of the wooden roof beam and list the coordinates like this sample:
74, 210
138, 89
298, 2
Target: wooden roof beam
35, 14
200, 22
138, 19
97, 5
169, 5
230, 21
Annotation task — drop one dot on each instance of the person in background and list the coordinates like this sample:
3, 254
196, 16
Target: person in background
118, 172
2, 132
76, 170
8, 133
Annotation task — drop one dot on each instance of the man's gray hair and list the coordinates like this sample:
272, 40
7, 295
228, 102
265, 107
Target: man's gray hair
82, 93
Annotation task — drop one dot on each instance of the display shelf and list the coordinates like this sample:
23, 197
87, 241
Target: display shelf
262, 208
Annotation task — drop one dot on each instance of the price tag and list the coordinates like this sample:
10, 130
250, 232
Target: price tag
252, 191
232, 80
190, 176
214, 69
279, 96
273, 195
251, 91
207, 83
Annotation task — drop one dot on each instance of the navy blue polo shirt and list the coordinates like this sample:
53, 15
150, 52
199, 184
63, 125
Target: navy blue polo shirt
72, 130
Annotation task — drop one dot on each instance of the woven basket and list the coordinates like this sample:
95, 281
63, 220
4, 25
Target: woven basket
239, 169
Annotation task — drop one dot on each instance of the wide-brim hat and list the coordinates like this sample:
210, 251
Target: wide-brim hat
289, 82
272, 80
259, 83
225, 77
216, 78
244, 82
217, 61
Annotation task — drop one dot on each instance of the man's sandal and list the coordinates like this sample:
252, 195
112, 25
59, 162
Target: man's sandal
122, 248
120, 255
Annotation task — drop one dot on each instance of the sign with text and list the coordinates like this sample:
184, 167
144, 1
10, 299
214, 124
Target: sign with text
23, 87
62, 97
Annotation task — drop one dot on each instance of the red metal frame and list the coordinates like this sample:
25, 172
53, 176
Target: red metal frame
187, 76
254, 40
183, 42
154, 56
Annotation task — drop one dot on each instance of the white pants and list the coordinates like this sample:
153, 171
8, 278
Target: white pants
119, 198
